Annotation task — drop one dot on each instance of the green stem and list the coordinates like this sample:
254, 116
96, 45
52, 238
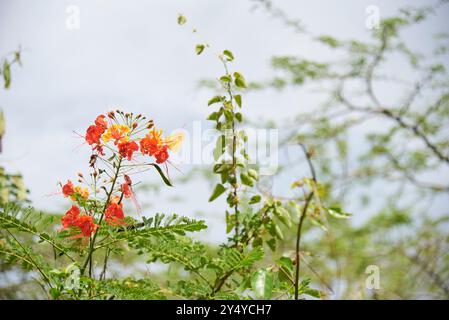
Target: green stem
298, 240
92, 242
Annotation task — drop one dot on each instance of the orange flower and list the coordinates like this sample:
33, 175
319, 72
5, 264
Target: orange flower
174, 141
126, 187
115, 199
117, 132
93, 134
114, 214
126, 149
126, 190
151, 143
83, 192
155, 146
70, 218
101, 122
67, 189
162, 154
87, 225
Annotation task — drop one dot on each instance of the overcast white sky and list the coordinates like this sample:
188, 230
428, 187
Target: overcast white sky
133, 54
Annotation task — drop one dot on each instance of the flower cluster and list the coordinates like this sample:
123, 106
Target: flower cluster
115, 138
85, 223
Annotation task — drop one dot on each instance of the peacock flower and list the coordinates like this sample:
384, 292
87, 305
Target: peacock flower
67, 189
83, 192
174, 141
126, 190
70, 217
87, 225
93, 134
126, 149
114, 214
154, 145
101, 122
152, 142
118, 133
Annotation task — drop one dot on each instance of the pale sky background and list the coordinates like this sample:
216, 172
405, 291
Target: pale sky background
133, 54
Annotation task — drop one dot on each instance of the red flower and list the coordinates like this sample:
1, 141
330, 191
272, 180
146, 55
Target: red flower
87, 225
84, 222
126, 190
153, 145
114, 214
70, 218
101, 122
67, 189
162, 154
93, 134
126, 149
149, 145
95, 131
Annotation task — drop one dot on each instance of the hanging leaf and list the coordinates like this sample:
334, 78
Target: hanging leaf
262, 284
218, 191
199, 48
283, 216
255, 199
214, 100
161, 173
239, 80
253, 174
238, 116
238, 100
246, 180
225, 79
228, 55
6, 74
338, 213
181, 19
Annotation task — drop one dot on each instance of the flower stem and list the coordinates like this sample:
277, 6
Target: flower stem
92, 242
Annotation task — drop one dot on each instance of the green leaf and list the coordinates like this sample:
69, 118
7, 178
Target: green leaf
213, 116
318, 223
228, 55
6, 74
199, 48
330, 41
215, 99
2, 124
253, 174
230, 222
239, 80
161, 173
238, 100
283, 216
255, 199
219, 149
313, 293
246, 179
218, 191
286, 268
338, 213
181, 19
278, 231
262, 284
225, 79
238, 116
